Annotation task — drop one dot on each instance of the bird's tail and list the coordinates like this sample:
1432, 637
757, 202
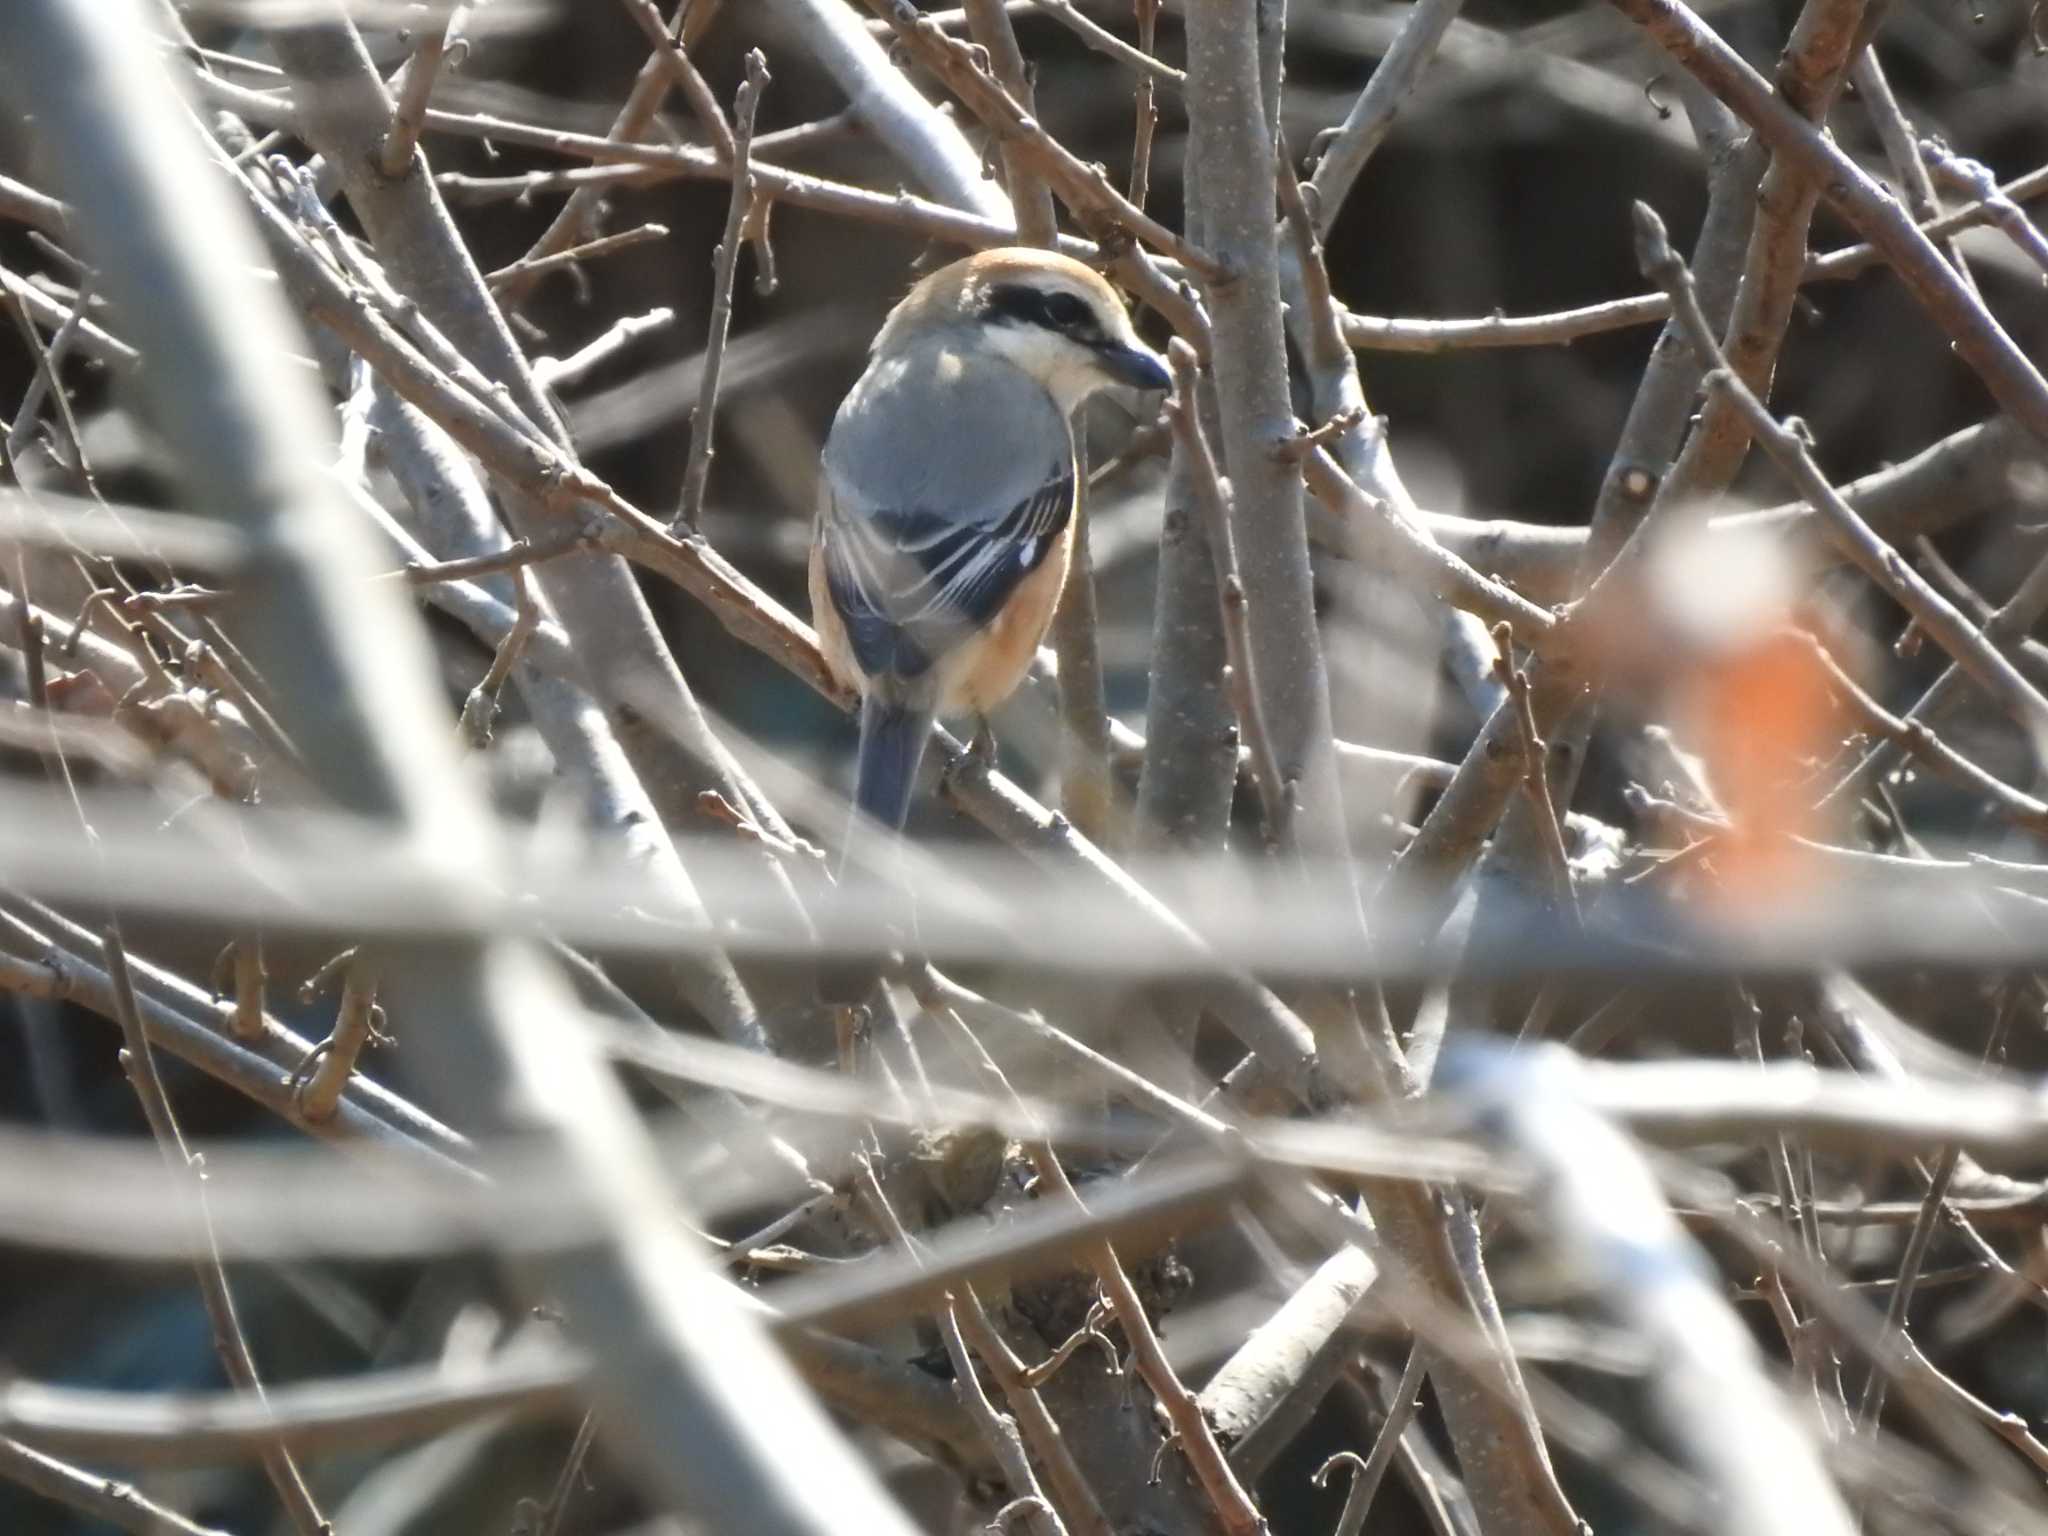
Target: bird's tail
892, 738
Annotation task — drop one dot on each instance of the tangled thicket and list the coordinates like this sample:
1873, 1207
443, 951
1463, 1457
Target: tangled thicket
1496, 977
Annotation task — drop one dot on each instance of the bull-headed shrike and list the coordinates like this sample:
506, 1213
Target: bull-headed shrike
945, 517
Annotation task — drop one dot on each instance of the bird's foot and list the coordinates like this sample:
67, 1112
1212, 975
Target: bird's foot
981, 746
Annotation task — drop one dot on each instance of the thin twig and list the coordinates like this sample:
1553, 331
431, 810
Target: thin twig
1197, 1441
1000, 1431
561, 372
232, 1343
97, 1497
675, 58
1366, 1475
97, 342
1376, 531
519, 554
1895, 132
1877, 559
46, 376
1535, 760
569, 1477
1147, 120
1910, 1265
1975, 178
575, 255
1872, 212
2005, 627
988, 23
28, 206
578, 218
421, 71
1307, 442
48, 361
1343, 154
367, 284
480, 708
324, 1076
1106, 42
725, 262
1083, 188
1079, 1508
641, 165
1563, 327
1918, 740
1212, 498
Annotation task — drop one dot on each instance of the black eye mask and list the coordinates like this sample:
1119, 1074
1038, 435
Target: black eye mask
1063, 313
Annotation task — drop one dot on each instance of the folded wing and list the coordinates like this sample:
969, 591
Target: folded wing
947, 482
911, 582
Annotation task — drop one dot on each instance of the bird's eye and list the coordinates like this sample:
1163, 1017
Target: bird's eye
1064, 310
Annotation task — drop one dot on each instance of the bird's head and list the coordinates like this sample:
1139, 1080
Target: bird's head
1045, 314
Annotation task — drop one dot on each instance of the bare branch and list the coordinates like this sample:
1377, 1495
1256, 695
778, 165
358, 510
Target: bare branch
1367, 1474
1261, 1396
28, 206
1916, 739
1902, 150
575, 255
988, 23
395, 157
1342, 157
1147, 110
886, 103
2006, 371
1975, 178
1082, 188
325, 1075
1708, 1384
229, 1340
561, 373
1561, 328
577, 219
1275, 790
725, 262
155, 218
1878, 560
117, 1503
1000, 1431
674, 57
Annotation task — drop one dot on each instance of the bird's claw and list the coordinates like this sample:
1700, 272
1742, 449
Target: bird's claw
981, 746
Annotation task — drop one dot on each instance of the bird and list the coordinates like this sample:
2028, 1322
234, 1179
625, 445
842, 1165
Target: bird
946, 502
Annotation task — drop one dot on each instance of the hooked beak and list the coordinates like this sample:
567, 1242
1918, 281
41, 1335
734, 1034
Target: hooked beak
1137, 366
